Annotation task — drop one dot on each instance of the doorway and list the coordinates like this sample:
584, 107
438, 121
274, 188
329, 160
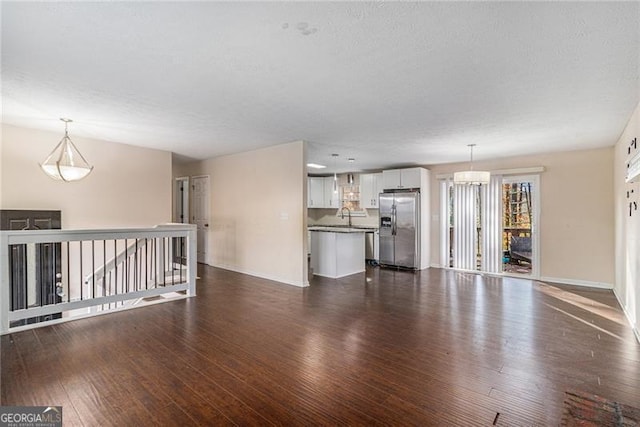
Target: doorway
493, 228
181, 200
35, 272
520, 207
200, 213
181, 216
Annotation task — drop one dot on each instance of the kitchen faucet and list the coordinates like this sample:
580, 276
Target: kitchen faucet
342, 213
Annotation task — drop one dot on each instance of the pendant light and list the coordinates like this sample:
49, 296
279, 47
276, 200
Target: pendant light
471, 177
335, 174
65, 163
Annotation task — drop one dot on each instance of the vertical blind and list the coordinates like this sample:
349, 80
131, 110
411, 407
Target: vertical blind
464, 227
492, 225
465, 223
445, 184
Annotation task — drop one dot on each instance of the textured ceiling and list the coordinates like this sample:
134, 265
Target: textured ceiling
389, 84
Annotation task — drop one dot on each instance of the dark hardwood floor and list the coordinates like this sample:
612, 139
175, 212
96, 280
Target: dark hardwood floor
385, 347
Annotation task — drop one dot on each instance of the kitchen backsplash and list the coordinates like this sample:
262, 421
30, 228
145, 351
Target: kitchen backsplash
328, 217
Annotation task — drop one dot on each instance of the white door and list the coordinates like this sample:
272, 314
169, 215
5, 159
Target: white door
200, 216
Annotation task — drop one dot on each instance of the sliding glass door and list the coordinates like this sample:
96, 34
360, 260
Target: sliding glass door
519, 224
491, 228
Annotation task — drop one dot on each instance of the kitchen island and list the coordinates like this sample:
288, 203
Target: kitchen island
337, 251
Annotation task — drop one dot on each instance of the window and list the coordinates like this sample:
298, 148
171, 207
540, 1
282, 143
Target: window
350, 198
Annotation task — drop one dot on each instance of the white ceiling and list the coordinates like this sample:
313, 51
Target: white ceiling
387, 83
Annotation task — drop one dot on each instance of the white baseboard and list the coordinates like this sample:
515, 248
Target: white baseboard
585, 283
299, 284
626, 314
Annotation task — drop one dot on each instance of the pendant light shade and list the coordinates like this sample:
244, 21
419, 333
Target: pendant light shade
65, 163
471, 177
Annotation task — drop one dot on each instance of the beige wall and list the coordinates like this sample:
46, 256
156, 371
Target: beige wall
128, 187
258, 212
179, 169
627, 228
577, 221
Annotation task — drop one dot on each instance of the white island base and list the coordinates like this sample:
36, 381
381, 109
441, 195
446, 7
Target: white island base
337, 254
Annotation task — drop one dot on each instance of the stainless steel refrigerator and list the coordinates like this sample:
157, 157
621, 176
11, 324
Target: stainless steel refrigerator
400, 229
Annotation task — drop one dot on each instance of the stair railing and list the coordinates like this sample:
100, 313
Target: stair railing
88, 272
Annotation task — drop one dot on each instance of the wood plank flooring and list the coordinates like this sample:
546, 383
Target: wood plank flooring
379, 348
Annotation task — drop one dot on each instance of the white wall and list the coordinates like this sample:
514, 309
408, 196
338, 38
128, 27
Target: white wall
577, 216
128, 187
627, 228
258, 212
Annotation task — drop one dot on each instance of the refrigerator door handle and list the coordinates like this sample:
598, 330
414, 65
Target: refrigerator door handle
393, 220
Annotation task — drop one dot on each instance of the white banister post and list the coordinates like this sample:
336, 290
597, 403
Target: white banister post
161, 270
192, 260
5, 296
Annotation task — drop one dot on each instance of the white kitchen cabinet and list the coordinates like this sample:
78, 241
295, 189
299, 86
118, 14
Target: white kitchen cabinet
411, 178
315, 192
370, 187
391, 179
331, 197
397, 179
320, 193
366, 190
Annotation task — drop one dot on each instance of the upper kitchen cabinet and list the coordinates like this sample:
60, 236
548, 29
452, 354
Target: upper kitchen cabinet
398, 179
370, 187
321, 194
331, 193
315, 192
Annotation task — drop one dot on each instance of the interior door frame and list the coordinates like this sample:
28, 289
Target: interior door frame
181, 196
535, 223
203, 258
180, 216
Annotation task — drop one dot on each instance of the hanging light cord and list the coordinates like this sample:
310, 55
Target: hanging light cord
471, 162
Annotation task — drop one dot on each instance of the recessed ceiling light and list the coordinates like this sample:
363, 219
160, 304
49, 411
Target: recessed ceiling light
351, 159
315, 166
